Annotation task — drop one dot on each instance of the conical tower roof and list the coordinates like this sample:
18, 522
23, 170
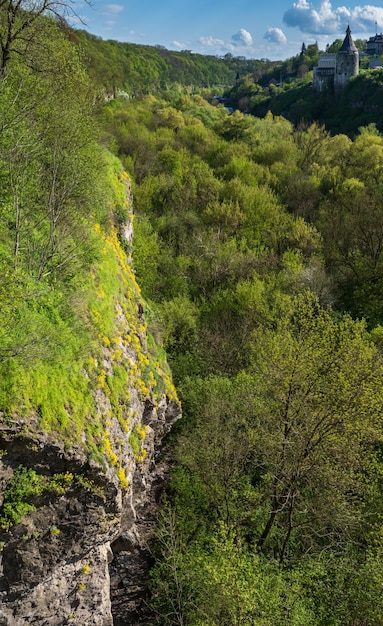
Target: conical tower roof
348, 44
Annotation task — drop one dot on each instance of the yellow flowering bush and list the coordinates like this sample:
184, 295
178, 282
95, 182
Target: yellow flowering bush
124, 483
136, 440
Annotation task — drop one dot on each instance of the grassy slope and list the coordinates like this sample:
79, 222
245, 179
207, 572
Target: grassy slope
55, 391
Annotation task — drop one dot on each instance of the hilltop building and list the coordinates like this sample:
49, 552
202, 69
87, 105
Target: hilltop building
374, 46
374, 50
335, 70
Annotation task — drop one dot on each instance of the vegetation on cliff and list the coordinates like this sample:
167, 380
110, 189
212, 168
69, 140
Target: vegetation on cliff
258, 249
73, 344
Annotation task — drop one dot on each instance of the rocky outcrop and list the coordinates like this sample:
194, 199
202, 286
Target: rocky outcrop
77, 512
55, 562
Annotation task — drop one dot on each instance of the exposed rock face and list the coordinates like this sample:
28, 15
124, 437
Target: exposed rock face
77, 513
55, 563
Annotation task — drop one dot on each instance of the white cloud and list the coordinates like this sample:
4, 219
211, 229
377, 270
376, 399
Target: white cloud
211, 42
275, 35
304, 16
325, 20
178, 44
242, 38
242, 43
113, 8
364, 18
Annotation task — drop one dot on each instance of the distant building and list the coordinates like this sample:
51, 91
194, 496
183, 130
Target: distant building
374, 46
374, 50
335, 70
323, 79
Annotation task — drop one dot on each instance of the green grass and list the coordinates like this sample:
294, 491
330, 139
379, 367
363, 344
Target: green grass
80, 337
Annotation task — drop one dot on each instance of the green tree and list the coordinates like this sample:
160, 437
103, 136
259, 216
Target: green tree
235, 126
21, 22
335, 46
318, 424
217, 447
351, 225
49, 158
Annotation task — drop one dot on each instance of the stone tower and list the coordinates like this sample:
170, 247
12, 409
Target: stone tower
347, 62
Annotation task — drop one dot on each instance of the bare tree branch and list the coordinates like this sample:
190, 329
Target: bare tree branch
18, 18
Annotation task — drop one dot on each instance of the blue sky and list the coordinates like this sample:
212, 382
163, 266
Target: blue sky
273, 29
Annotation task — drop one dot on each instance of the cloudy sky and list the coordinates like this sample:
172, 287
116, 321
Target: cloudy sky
273, 30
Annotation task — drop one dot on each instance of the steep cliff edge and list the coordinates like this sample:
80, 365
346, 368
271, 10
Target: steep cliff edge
78, 468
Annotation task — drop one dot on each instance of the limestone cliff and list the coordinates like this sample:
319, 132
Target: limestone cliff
77, 495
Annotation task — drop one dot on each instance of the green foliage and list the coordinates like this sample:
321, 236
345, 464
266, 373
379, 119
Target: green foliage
69, 298
22, 492
179, 318
241, 589
137, 69
350, 223
24, 484
136, 440
222, 582
307, 375
296, 100
246, 231
49, 159
256, 229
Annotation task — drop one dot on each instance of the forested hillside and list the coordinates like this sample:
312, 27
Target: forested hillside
258, 266
359, 104
260, 246
138, 69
